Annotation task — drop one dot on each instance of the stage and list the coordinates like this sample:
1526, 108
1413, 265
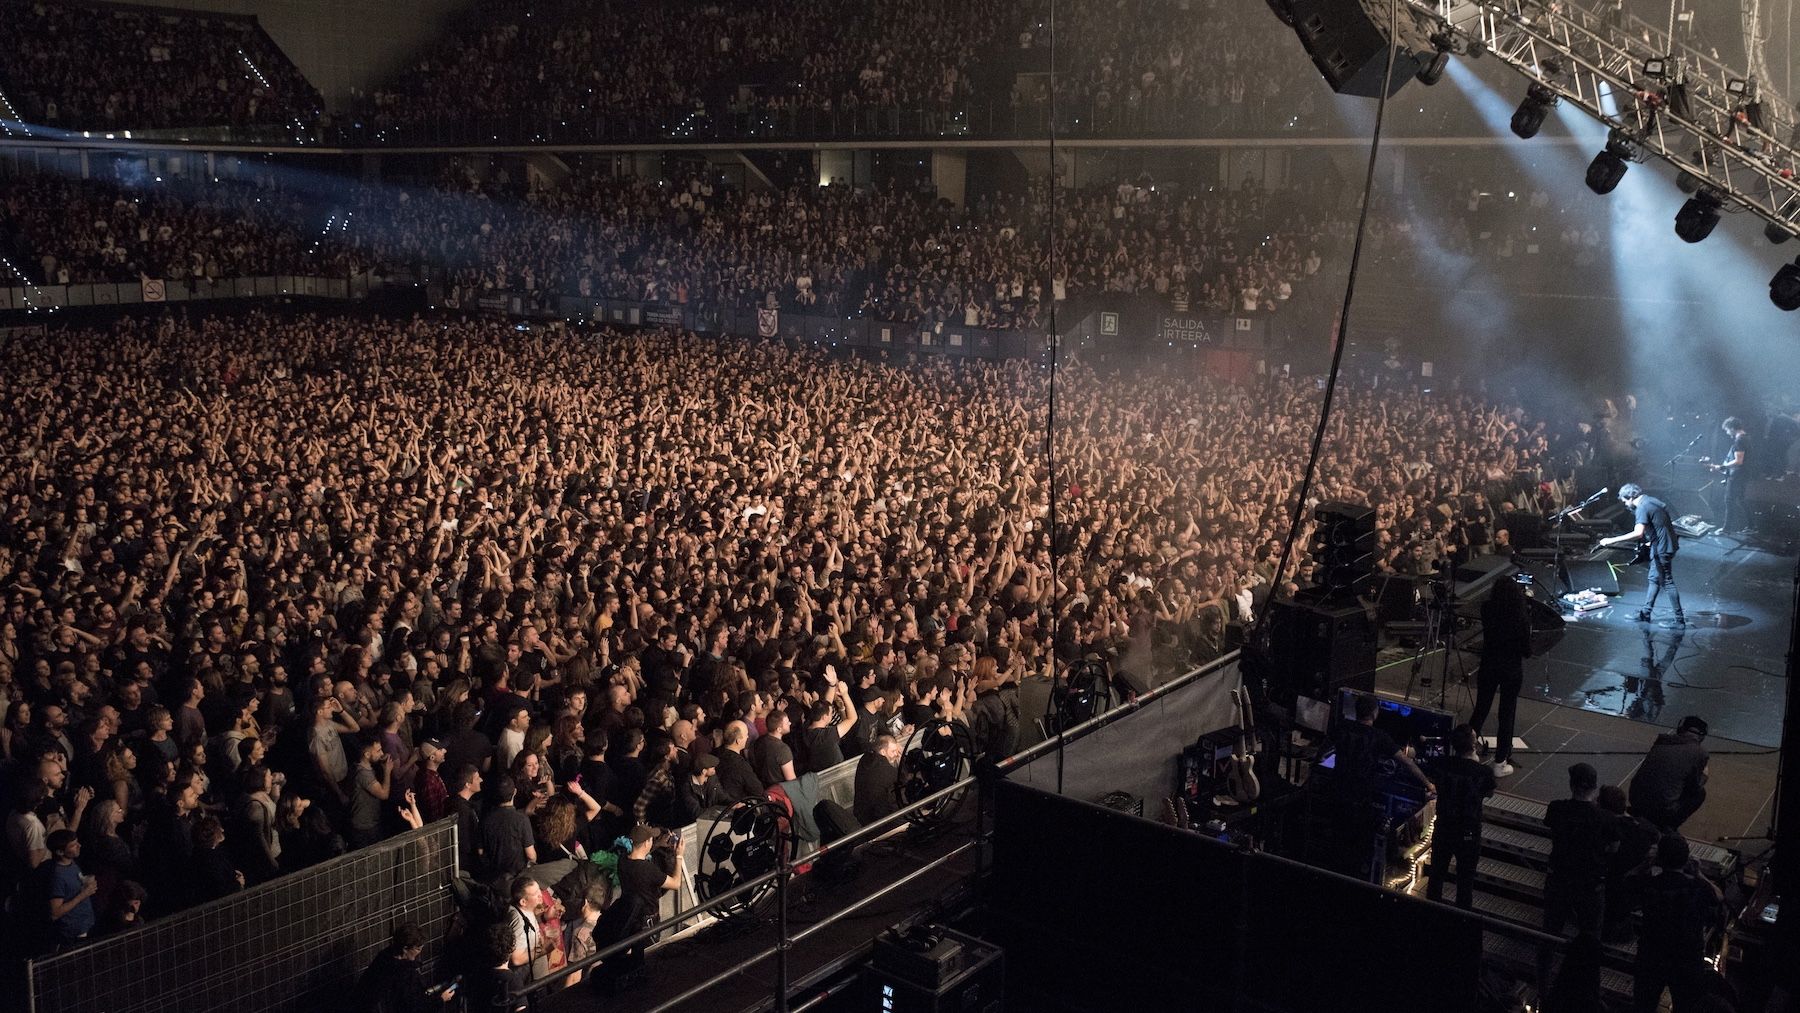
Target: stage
1611, 684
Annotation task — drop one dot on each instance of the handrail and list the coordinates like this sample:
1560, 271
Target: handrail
770, 951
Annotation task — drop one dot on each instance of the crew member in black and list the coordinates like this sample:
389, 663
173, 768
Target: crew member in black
1637, 843
1670, 785
1653, 523
1582, 840
1735, 468
394, 982
1681, 909
1463, 782
1360, 749
1505, 644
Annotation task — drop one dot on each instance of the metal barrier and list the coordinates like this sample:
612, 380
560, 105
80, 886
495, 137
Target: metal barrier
277, 946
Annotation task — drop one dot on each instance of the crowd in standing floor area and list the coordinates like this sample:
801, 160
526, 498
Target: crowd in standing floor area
270, 583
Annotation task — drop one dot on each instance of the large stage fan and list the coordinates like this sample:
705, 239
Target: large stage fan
742, 843
937, 756
1087, 694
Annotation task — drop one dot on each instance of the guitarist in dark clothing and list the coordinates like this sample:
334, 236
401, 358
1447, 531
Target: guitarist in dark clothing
1657, 528
1737, 476
1463, 782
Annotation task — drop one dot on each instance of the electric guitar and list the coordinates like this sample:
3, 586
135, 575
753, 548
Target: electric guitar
1725, 468
1640, 553
1175, 812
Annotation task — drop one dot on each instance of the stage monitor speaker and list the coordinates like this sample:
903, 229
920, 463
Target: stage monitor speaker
1547, 625
1611, 511
1396, 595
1480, 573
1348, 42
1582, 575
1528, 529
1317, 649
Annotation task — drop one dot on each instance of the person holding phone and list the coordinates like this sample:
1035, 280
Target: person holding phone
394, 981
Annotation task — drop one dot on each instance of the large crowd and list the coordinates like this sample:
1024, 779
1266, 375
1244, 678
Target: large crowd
277, 587
574, 72
888, 253
86, 66
563, 67
568, 71
882, 253
87, 231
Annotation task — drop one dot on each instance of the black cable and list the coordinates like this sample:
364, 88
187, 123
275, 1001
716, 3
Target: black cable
1050, 411
1343, 323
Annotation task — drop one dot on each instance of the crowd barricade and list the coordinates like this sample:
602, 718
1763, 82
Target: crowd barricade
296, 942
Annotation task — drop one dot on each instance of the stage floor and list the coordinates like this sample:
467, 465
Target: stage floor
1612, 684
1727, 665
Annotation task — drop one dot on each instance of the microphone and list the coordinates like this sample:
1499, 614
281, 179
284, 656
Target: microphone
1596, 496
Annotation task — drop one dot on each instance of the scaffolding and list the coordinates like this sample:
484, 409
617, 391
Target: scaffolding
1660, 97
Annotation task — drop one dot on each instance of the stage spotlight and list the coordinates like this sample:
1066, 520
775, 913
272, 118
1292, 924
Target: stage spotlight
1775, 233
1529, 117
1686, 181
1656, 66
1784, 288
1605, 172
1608, 167
1433, 72
1444, 44
1695, 221
1737, 86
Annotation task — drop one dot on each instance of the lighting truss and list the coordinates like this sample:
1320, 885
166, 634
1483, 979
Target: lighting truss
1684, 116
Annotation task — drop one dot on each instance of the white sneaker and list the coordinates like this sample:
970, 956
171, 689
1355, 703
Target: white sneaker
1502, 769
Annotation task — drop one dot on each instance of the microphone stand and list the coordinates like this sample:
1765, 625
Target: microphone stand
1670, 463
1562, 518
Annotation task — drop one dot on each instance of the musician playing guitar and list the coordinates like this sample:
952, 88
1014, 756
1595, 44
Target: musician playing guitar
1656, 527
1737, 514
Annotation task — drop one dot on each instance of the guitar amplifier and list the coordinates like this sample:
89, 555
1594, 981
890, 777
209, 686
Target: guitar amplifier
1202, 768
